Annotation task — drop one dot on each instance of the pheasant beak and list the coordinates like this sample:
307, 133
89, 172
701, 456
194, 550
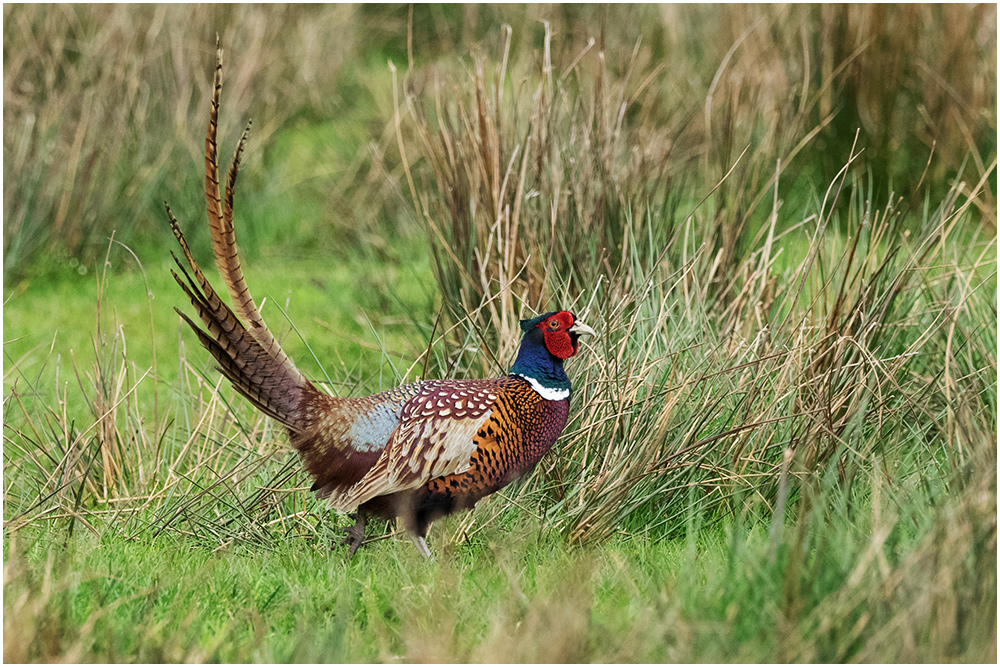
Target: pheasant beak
579, 328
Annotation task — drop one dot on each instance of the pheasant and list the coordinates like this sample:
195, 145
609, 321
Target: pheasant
416, 453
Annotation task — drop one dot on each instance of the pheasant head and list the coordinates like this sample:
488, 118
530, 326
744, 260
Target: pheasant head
549, 339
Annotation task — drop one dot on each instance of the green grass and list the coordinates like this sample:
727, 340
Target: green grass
781, 445
337, 307
842, 582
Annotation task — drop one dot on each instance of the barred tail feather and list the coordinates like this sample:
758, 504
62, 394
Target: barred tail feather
246, 351
220, 222
270, 382
244, 385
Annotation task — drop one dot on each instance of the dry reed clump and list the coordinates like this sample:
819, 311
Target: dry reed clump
533, 165
742, 350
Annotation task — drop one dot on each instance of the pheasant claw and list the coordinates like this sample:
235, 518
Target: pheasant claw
355, 535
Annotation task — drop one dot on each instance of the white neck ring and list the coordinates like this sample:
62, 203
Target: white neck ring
549, 394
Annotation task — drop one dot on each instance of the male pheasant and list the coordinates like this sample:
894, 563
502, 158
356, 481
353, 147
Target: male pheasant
417, 452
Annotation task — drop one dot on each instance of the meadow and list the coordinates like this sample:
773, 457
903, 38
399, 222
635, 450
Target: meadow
780, 220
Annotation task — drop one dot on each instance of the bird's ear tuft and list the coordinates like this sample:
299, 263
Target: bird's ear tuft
528, 325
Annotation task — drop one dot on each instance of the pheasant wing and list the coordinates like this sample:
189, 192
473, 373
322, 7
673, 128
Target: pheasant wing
435, 437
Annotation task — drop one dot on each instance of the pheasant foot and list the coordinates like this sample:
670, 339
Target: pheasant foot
355, 535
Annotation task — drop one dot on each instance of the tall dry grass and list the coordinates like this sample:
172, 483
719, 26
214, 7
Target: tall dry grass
101, 105
754, 330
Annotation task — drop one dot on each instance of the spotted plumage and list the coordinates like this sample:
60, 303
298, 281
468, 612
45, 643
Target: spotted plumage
416, 452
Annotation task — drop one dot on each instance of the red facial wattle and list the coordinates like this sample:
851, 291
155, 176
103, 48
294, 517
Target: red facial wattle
557, 338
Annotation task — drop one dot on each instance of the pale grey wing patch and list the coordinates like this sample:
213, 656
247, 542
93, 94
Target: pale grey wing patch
372, 429
360, 424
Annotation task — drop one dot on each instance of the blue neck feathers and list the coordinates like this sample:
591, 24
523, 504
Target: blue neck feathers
535, 362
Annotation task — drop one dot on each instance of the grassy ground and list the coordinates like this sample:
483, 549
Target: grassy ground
846, 581
781, 445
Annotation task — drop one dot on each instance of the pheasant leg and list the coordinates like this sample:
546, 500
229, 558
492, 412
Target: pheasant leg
421, 545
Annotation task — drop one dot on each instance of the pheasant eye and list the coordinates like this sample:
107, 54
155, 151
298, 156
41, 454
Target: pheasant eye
553, 324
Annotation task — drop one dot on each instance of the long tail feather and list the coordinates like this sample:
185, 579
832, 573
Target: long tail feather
245, 350
220, 217
273, 385
220, 221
